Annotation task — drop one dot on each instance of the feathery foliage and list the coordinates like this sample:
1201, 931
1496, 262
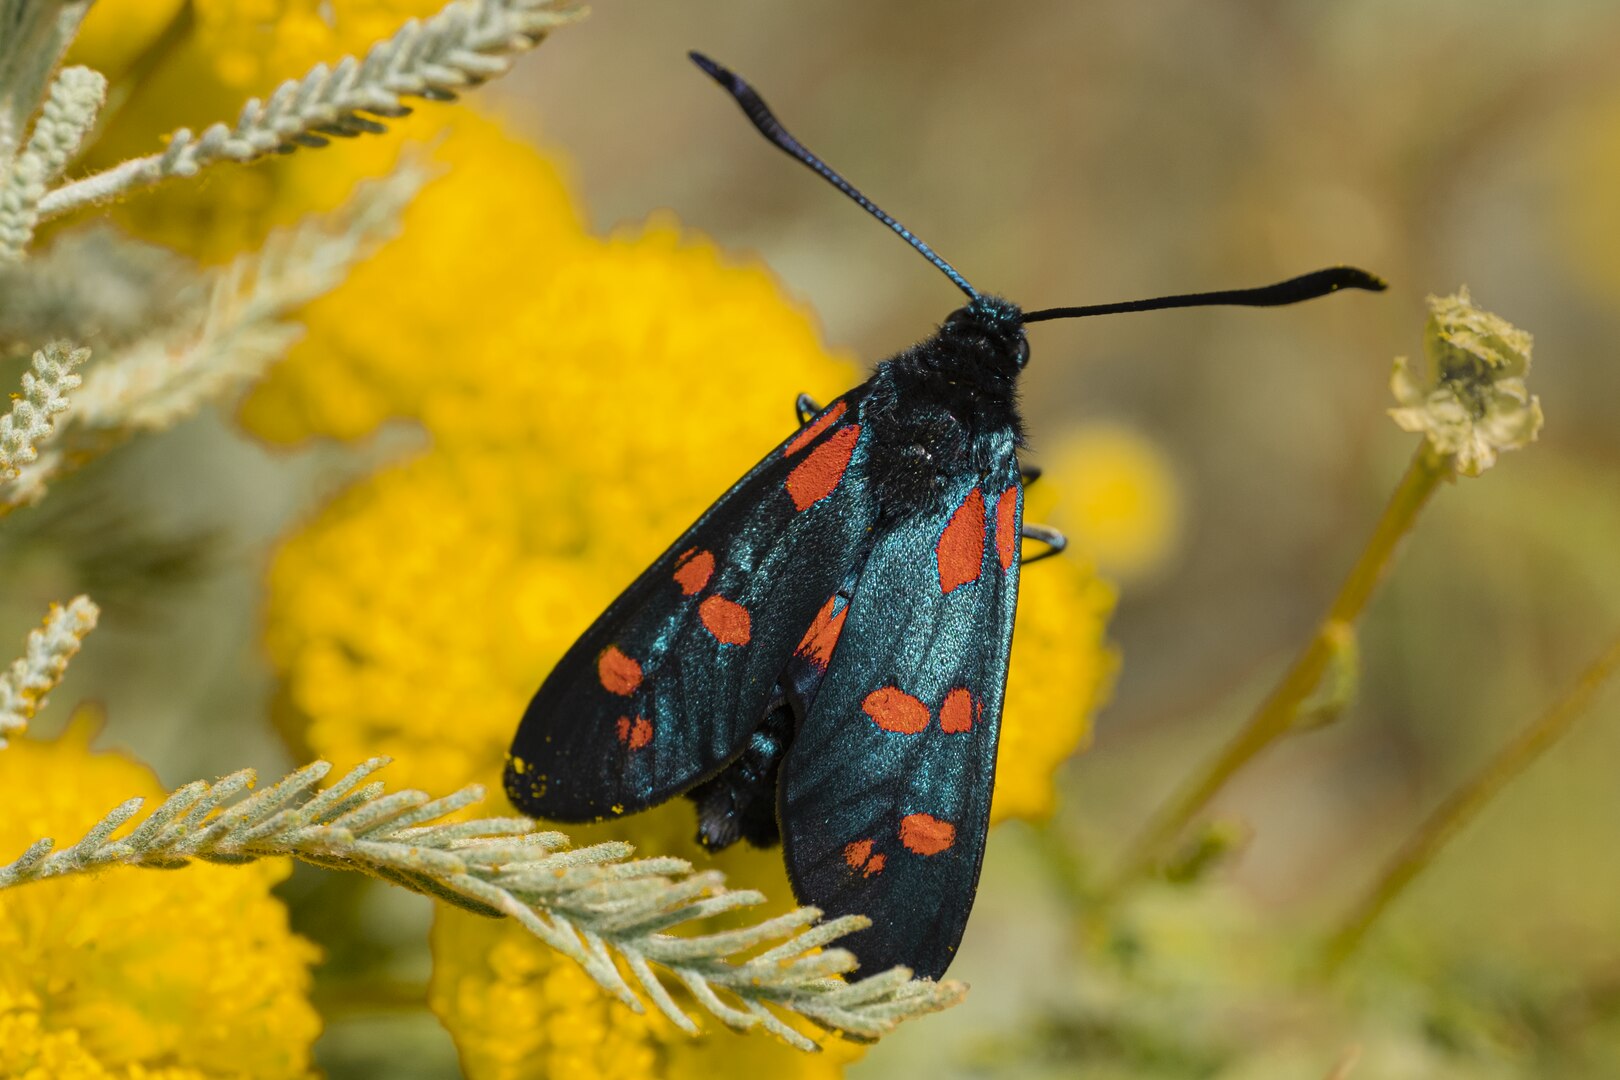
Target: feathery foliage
25, 683
33, 36
594, 904
223, 329
69, 112
465, 44
31, 419
243, 319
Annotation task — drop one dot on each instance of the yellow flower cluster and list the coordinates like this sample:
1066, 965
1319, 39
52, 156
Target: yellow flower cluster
134, 973
1119, 499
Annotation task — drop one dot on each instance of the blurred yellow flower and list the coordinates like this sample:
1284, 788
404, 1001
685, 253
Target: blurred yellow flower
1060, 646
1118, 498
254, 44
116, 32
130, 972
423, 327
233, 50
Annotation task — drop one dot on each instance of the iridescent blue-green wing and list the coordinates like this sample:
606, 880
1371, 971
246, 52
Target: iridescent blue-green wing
885, 790
667, 685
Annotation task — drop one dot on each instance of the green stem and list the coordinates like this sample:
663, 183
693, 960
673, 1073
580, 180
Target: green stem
1453, 815
366, 997
1276, 714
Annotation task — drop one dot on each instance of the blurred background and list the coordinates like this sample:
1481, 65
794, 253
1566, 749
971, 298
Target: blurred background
1222, 467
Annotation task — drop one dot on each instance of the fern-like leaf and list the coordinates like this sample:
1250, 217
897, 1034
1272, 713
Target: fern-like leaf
609, 913
466, 43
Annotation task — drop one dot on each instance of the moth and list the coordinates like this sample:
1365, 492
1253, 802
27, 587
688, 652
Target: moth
820, 660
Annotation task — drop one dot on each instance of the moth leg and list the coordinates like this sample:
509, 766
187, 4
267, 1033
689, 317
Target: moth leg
1045, 534
805, 407
1029, 473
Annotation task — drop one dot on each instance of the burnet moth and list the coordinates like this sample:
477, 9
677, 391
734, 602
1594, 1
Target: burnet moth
820, 659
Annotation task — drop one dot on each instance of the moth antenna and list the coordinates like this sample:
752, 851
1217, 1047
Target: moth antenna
754, 107
1305, 287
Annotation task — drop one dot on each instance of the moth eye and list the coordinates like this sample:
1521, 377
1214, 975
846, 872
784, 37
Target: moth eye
1023, 352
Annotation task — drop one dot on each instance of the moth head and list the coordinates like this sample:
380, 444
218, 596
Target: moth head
993, 324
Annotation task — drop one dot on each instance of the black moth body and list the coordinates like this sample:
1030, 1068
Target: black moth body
820, 660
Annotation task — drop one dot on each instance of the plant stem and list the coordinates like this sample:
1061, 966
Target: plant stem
1276, 714
1451, 816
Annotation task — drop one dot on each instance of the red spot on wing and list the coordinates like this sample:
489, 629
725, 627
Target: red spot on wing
892, 709
961, 545
1007, 526
959, 711
635, 733
726, 619
814, 478
859, 857
693, 569
925, 834
822, 637
808, 435
618, 672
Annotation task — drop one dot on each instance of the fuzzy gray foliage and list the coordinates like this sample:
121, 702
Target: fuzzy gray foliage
609, 913
465, 44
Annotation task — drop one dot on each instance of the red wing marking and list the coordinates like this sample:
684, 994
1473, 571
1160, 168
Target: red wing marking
1007, 526
808, 435
926, 834
693, 569
859, 857
822, 637
635, 733
892, 709
959, 712
814, 478
726, 619
961, 545
618, 672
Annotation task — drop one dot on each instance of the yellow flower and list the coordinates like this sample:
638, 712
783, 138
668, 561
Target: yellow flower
236, 49
1118, 498
253, 45
1060, 647
131, 972
116, 32
422, 326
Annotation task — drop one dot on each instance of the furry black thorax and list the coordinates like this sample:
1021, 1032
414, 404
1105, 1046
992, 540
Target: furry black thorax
947, 406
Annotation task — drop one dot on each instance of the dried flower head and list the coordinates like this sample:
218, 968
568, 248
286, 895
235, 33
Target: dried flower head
1470, 399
